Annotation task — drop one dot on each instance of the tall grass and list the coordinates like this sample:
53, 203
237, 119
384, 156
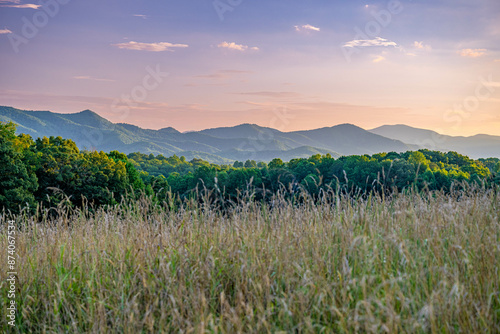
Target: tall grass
413, 263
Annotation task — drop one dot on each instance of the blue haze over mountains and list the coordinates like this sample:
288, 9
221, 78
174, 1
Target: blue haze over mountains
242, 142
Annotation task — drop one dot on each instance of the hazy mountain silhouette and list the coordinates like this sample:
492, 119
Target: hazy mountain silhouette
478, 146
242, 142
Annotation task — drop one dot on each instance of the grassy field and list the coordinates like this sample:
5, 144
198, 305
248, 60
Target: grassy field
413, 263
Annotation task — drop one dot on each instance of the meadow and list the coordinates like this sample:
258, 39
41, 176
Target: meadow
412, 262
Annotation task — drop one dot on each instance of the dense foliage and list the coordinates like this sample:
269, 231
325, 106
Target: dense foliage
53, 171
432, 170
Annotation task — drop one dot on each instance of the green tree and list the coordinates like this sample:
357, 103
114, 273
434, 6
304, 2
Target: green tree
419, 159
100, 179
17, 183
250, 164
261, 164
496, 176
134, 178
55, 159
276, 163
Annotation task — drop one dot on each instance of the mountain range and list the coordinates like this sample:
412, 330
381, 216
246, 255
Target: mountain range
242, 142
478, 146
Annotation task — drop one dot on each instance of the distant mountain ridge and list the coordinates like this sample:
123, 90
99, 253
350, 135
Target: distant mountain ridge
218, 145
478, 146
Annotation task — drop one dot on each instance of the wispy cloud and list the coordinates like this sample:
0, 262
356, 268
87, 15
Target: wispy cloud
5, 31
153, 47
378, 59
238, 47
141, 15
378, 41
421, 46
17, 4
235, 72
472, 53
223, 74
307, 27
85, 77
28, 5
272, 94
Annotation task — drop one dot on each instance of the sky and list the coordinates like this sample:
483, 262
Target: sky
287, 64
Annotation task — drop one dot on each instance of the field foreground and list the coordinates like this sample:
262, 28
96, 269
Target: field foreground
414, 263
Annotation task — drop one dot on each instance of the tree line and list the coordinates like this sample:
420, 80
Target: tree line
53, 171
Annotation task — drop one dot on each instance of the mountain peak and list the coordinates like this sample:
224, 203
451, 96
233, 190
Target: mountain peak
241, 141
398, 131
86, 117
246, 130
169, 130
346, 126
86, 111
249, 126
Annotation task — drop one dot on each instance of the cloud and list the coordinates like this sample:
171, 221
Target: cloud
272, 94
28, 5
307, 27
378, 59
141, 15
472, 53
17, 4
418, 45
5, 31
378, 41
153, 47
223, 74
235, 72
84, 77
238, 47
422, 46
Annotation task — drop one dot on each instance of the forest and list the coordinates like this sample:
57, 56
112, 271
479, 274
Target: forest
53, 171
115, 243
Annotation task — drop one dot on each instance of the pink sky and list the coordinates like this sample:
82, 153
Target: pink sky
426, 67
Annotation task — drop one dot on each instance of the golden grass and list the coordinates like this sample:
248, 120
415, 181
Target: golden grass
415, 263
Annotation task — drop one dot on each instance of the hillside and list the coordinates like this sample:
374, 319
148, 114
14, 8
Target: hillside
241, 142
246, 141
478, 146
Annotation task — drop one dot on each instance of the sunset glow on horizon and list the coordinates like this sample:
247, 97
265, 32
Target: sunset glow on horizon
290, 65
